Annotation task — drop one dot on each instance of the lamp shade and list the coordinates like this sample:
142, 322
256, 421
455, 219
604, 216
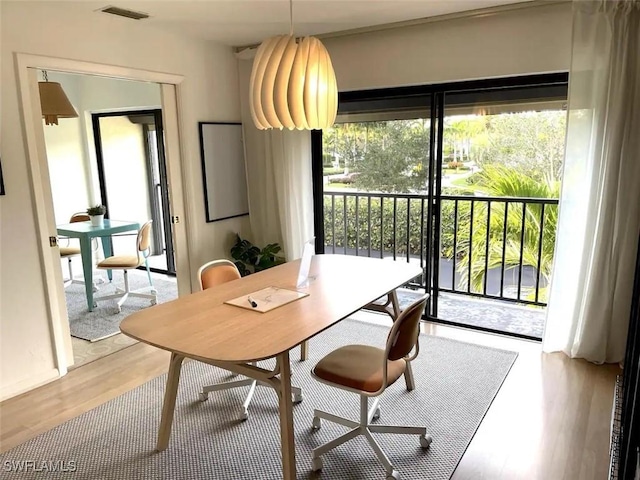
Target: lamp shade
293, 85
54, 103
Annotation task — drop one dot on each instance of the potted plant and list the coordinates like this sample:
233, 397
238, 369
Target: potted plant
96, 213
249, 258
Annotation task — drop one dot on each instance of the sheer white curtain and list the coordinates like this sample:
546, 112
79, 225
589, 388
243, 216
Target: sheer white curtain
278, 178
599, 222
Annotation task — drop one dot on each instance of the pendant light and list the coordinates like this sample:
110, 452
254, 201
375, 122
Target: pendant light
293, 84
54, 102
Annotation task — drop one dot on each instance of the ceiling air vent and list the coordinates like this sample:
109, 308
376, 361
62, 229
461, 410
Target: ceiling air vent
121, 12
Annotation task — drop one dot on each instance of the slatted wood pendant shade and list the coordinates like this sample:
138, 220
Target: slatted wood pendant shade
293, 85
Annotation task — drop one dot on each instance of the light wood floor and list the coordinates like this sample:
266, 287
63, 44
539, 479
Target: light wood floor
549, 421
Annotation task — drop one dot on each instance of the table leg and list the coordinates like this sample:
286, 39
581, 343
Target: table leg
395, 304
286, 419
108, 251
169, 405
304, 350
87, 267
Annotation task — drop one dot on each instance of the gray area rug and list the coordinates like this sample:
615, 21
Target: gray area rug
455, 385
103, 321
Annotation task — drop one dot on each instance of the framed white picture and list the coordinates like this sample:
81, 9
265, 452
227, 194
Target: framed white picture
223, 170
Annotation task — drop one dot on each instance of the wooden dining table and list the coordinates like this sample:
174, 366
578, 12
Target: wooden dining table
201, 326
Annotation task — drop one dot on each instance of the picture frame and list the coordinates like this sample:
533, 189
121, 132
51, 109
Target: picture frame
224, 178
2, 192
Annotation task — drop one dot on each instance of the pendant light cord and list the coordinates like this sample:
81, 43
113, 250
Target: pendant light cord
291, 18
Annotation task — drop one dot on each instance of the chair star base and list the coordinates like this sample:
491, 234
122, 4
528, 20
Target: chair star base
123, 294
247, 382
365, 428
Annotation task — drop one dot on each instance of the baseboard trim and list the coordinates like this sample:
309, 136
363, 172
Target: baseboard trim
15, 389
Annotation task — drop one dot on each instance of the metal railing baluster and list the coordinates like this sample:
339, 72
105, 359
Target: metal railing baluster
538, 266
408, 229
504, 247
486, 248
395, 225
369, 225
524, 218
455, 244
344, 213
333, 223
357, 225
381, 227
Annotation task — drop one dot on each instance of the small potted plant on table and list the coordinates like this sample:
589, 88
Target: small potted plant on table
96, 213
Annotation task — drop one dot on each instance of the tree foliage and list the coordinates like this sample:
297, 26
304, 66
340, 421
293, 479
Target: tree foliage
393, 156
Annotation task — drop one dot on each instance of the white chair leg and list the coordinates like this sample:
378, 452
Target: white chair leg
386, 463
336, 442
247, 401
218, 387
335, 419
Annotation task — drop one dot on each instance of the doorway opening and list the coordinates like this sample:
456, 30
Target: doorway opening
127, 174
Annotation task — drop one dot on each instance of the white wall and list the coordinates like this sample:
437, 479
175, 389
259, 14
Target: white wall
209, 92
65, 144
70, 144
524, 41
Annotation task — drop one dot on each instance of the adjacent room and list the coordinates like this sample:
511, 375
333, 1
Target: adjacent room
108, 153
320, 239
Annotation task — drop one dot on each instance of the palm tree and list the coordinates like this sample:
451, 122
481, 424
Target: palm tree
501, 181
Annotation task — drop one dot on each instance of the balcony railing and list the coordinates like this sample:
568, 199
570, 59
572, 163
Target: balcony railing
492, 247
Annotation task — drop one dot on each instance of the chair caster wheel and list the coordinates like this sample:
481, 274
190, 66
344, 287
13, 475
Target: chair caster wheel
316, 464
316, 424
393, 475
297, 397
425, 441
244, 416
376, 414
153, 302
95, 289
118, 309
95, 304
203, 396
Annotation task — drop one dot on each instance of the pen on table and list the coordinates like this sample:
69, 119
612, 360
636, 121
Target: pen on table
252, 302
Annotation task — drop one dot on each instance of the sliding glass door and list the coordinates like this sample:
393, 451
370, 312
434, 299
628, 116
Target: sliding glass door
461, 179
133, 179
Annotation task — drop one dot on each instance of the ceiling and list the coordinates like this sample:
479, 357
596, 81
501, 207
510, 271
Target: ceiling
246, 22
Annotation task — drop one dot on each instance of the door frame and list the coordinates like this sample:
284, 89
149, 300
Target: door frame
170, 86
166, 225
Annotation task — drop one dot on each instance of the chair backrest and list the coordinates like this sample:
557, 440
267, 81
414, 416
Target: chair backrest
144, 239
79, 217
404, 333
217, 272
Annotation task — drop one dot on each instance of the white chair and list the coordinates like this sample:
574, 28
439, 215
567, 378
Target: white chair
368, 371
127, 262
70, 252
210, 275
